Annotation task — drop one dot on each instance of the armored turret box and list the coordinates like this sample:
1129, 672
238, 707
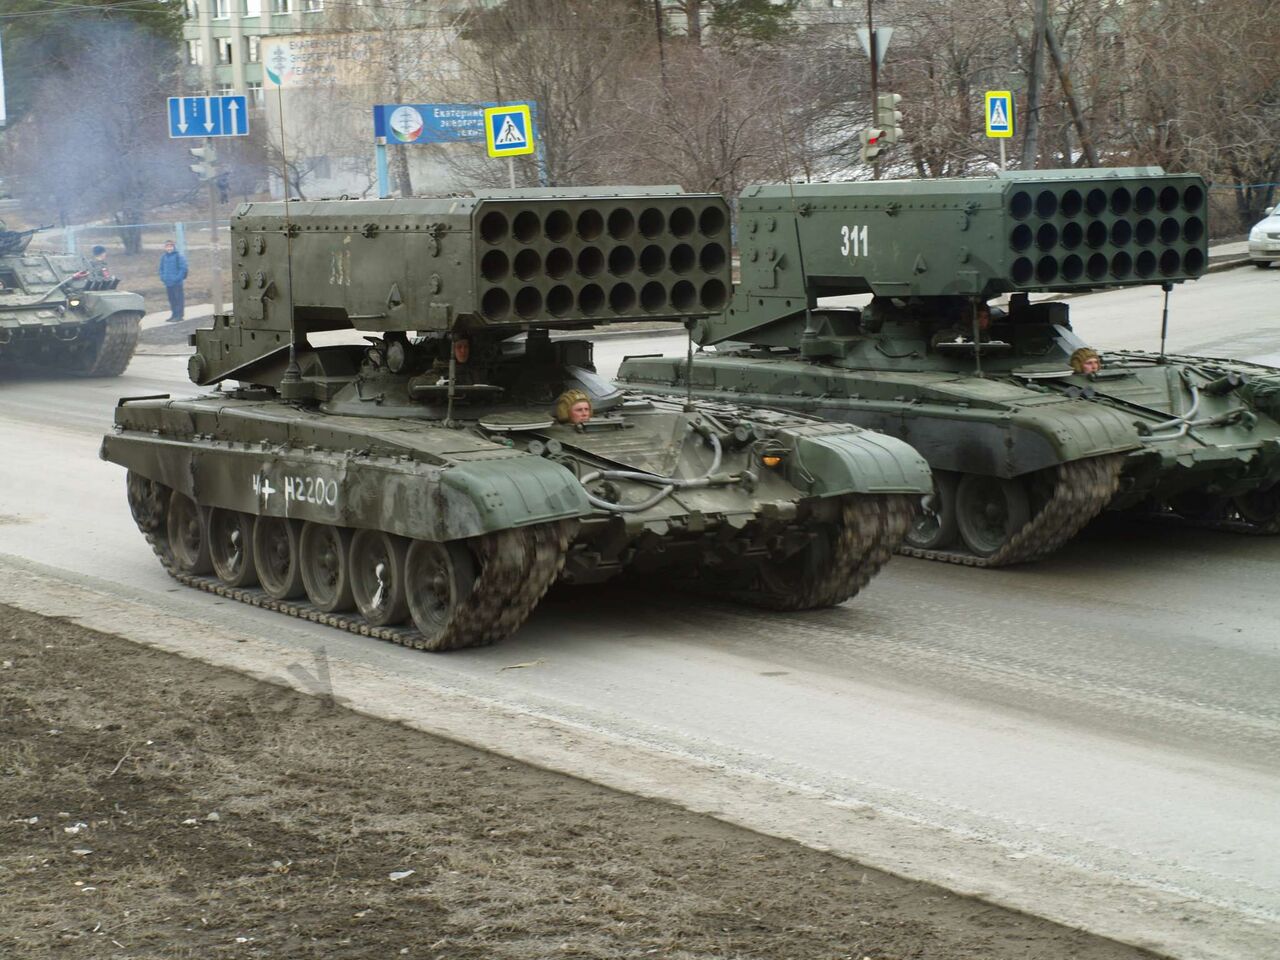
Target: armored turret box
501, 260
560, 258
1039, 230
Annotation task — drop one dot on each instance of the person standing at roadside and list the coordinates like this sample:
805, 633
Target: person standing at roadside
173, 271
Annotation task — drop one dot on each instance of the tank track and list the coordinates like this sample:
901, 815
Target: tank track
1081, 491
119, 340
871, 528
519, 567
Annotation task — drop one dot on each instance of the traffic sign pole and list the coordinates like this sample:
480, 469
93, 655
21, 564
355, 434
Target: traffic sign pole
998, 111
213, 239
207, 117
380, 159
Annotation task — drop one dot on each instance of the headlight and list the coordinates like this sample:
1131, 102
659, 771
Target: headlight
73, 302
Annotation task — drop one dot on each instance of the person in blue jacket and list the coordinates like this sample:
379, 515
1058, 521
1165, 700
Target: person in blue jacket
173, 270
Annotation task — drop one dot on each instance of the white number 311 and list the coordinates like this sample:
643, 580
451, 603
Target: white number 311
853, 241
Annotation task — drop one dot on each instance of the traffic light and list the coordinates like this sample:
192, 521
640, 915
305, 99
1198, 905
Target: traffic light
889, 116
872, 139
206, 169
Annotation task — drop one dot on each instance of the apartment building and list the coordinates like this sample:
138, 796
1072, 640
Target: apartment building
223, 39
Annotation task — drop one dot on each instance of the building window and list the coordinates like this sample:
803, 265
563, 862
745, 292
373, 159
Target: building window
225, 90
221, 9
253, 8
195, 55
224, 51
312, 6
254, 91
193, 9
253, 48
279, 6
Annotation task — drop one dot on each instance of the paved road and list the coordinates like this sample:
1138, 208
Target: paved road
1095, 738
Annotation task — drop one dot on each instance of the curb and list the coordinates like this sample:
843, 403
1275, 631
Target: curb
1227, 264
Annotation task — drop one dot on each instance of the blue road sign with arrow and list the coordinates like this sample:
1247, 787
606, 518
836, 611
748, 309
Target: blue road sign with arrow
221, 116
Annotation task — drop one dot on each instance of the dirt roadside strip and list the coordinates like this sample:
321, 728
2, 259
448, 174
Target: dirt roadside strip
157, 806
856, 833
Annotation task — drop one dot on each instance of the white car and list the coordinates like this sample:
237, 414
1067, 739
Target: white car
1264, 239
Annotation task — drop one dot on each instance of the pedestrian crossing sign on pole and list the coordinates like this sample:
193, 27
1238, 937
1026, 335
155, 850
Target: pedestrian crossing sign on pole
999, 113
508, 130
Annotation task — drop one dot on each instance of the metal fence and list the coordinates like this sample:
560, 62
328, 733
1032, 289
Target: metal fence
80, 238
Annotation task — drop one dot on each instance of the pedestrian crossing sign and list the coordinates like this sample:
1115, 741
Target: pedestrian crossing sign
508, 130
999, 113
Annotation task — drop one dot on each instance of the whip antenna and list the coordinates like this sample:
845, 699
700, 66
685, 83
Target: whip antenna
292, 372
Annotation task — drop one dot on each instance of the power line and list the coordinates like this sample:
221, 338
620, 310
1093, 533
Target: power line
129, 6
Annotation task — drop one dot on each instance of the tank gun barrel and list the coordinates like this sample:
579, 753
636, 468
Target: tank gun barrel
1015, 232
15, 241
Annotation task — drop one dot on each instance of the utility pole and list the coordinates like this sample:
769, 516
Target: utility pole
875, 80
662, 51
215, 255
1030, 150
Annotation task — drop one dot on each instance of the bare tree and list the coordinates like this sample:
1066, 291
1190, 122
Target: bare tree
569, 57
1208, 97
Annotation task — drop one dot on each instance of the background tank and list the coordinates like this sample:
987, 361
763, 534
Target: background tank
1025, 449
54, 314
426, 473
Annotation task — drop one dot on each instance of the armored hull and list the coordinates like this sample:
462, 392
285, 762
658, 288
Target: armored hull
1025, 447
55, 315
429, 489
1024, 457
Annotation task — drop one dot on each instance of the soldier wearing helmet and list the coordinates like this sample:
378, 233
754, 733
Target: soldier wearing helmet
573, 406
1085, 360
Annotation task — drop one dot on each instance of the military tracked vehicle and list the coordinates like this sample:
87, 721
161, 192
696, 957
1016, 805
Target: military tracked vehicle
56, 314
1025, 447
426, 484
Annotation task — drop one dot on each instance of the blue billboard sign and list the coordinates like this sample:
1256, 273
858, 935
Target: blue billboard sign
428, 122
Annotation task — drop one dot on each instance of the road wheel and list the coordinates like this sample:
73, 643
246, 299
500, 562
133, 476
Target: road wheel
1261, 264
326, 571
188, 532
440, 577
1200, 507
990, 510
934, 527
276, 552
378, 576
794, 576
231, 547
1260, 507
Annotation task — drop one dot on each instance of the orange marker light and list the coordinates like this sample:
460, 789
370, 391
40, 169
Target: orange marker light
771, 460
